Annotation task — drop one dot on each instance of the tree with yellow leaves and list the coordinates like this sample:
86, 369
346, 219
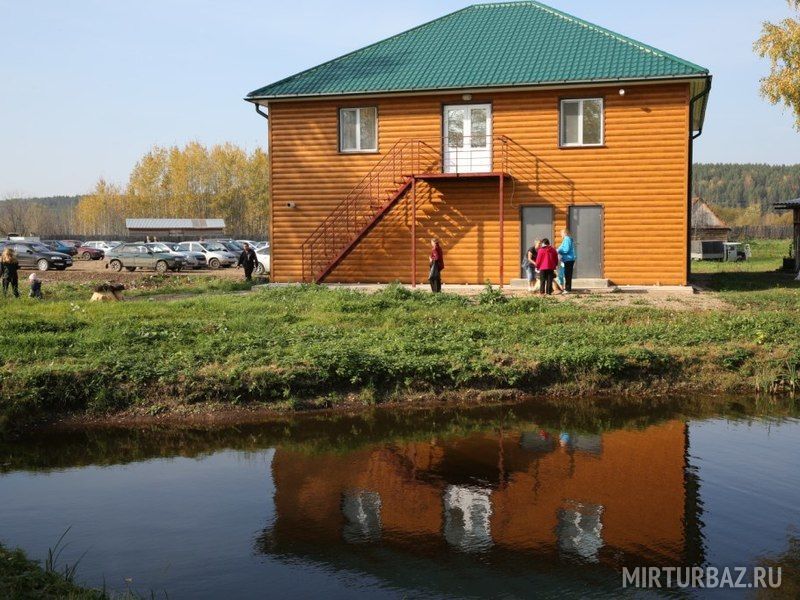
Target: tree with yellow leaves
190, 182
780, 42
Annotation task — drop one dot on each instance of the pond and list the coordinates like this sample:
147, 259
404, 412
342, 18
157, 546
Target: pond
505, 501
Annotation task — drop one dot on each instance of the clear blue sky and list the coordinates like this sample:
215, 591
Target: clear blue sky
90, 85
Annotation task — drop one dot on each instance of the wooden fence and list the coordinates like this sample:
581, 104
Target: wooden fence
762, 232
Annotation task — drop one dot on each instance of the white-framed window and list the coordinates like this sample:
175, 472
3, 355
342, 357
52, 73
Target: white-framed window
358, 129
581, 122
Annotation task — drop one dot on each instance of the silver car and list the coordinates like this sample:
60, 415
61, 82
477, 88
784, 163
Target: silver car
199, 257
189, 258
216, 254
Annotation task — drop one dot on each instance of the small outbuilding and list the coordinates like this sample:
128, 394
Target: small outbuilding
794, 206
709, 233
706, 225
175, 228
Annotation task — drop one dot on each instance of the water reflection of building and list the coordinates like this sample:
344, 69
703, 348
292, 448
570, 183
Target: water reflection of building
615, 498
467, 512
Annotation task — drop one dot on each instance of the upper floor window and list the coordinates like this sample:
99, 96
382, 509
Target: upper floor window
582, 122
358, 129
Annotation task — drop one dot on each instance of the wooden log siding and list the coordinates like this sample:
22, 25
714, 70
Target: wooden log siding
639, 177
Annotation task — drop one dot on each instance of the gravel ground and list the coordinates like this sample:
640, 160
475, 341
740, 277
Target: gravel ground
95, 270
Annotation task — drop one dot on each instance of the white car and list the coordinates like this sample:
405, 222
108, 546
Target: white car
251, 243
106, 247
189, 258
216, 254
263, 256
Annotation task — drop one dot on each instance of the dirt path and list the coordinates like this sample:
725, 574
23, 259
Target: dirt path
95, 271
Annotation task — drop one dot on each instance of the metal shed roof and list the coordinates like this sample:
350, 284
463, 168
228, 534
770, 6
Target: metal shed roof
150, 224
786, 204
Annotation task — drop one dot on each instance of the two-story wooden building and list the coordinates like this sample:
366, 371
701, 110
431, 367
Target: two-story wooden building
487, 128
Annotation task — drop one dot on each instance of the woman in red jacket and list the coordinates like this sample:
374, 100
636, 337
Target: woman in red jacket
437, 266
547, 263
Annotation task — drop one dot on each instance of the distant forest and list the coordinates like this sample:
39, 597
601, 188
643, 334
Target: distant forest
741, 194
727, 185
54, 202
743, 185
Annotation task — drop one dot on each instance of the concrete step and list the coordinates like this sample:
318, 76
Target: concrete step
577, 284
590, 284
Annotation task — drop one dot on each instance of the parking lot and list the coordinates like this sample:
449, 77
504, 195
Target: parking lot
95, 270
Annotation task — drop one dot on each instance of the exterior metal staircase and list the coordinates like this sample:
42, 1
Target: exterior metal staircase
394, 175
365, 206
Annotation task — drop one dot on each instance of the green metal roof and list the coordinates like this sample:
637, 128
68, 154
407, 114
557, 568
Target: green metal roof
486, 45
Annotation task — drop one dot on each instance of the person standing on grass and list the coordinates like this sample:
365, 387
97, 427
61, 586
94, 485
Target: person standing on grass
436, 265
9, 272
529, 264
566, 252
546, 262
249, 261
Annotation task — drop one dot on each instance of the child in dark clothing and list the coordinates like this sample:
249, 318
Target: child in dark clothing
9, 268
36, 286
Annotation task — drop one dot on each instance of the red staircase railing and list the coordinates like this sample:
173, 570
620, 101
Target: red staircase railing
365, 206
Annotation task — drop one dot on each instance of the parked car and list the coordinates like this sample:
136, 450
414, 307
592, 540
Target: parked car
263, 256
233, 246
216, 254
104, 246
139, 256
74, 243
260, 245
251, 243
60, 246
192, 260
202, 262
89, 253
35, 255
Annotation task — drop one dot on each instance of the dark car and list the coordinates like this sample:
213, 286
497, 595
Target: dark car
233, 246
35, 255
89, 253
60, 246
139, 256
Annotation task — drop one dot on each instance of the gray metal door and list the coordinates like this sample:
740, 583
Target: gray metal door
586, 224
537, 223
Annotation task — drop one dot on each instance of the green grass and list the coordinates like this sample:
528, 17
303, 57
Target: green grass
737, 281
766, 256
287, 345
22, 579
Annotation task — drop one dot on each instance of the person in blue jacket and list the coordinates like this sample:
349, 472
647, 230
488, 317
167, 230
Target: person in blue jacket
566, 252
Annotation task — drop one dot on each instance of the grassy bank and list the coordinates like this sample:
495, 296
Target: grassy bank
293, 347
21, 578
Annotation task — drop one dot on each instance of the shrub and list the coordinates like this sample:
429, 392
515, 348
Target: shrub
734, 359
491, 296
